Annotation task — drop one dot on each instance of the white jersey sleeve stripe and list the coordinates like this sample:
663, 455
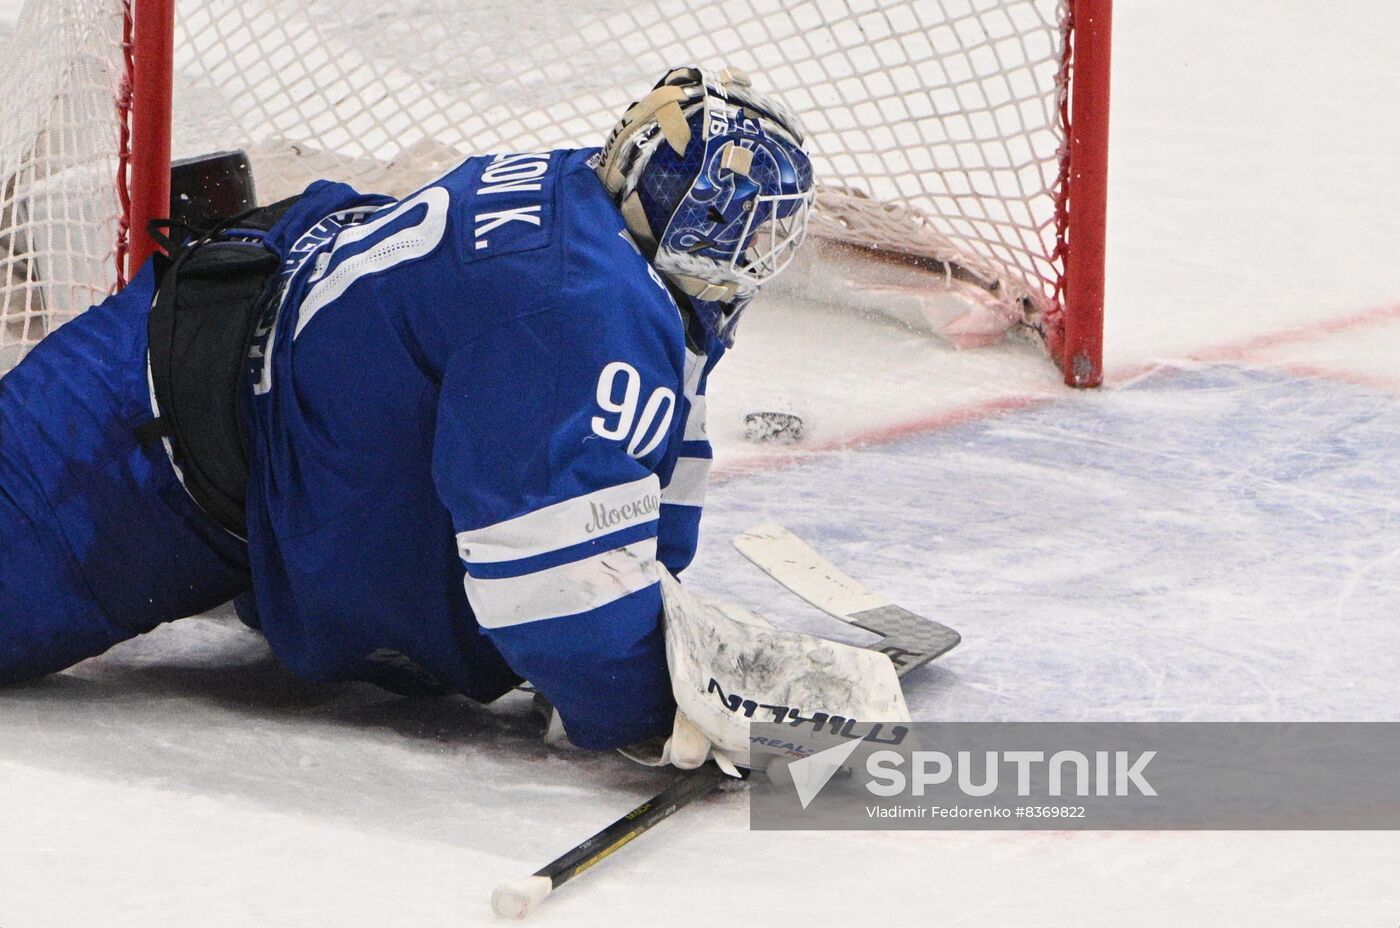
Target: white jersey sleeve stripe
568, 589
688, 482
695, 421
563, 524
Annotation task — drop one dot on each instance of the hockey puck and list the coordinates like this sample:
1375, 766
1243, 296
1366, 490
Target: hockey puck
777, 427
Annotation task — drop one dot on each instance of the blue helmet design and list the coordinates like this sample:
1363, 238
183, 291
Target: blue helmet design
715, 183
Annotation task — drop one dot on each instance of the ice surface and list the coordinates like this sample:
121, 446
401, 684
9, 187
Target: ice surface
1215, 535
1186, 558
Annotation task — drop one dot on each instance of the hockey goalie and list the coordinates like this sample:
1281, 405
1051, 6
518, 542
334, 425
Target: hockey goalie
445, 443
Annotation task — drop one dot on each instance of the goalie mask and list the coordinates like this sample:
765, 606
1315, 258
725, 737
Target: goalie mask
715, 185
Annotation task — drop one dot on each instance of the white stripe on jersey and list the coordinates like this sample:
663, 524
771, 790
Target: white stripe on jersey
695, 420
571, 522
688, 482
404, 245
564, 590
692, 474
694, 372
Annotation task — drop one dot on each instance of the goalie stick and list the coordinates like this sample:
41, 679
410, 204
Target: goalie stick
910, 641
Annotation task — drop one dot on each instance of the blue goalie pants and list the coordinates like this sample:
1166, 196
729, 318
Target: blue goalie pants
99, 542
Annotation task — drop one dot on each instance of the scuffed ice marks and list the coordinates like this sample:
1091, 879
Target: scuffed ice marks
1208, 543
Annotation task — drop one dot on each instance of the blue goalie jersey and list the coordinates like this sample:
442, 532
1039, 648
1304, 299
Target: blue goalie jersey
476, 436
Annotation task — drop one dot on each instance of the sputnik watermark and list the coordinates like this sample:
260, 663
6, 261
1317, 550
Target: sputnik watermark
811, 774
1114, 773
1106, 773
1059, 775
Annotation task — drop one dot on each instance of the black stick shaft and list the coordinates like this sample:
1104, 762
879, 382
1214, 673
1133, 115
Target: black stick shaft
908, 639
689, 787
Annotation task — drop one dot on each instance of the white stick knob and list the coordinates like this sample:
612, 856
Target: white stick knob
519, 897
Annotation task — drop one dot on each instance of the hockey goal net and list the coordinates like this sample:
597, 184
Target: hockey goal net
966, 137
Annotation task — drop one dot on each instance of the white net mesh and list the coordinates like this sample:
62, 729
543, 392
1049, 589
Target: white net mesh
58, 165
934, 123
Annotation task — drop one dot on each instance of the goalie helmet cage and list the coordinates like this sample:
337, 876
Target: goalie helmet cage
971, 134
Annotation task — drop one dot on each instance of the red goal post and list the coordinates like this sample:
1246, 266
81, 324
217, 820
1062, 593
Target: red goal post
966, 136
1086, 191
